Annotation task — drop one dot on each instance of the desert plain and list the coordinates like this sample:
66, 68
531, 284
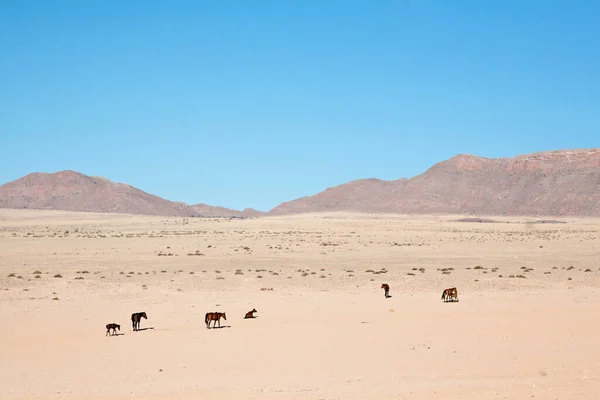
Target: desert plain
526, 325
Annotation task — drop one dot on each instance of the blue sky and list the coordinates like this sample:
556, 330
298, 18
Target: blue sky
251, 103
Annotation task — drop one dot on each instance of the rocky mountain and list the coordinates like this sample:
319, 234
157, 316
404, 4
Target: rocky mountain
556, 183
559, 183
215, 211
73, 191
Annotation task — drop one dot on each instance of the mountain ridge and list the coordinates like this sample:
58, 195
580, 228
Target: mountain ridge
553, 183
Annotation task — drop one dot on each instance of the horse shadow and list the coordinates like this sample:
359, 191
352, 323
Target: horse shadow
145, 329
220, 327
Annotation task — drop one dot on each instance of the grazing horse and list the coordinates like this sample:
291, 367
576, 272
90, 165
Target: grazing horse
112, 326
135, 320
250, 314
214, 316
386, 287
450, 294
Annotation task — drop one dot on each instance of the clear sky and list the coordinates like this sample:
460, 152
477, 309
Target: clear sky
251, 103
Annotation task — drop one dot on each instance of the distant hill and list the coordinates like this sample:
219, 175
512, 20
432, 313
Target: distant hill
560, 183
73, 191
215, 211
555, 183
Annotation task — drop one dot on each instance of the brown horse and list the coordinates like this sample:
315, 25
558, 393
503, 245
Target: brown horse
386, 287
250, 314
135, 319
214, 316
112, 326
450, 294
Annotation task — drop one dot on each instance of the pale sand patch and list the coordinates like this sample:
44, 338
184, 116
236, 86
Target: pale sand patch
326, 332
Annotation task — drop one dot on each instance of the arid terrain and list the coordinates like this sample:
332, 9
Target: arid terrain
526, 324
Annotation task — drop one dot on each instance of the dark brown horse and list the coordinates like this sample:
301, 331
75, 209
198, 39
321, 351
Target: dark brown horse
135, 320
112, 326
250, 314
386, 287
214, 316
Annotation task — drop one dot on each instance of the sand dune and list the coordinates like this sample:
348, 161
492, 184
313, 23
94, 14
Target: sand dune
526, 324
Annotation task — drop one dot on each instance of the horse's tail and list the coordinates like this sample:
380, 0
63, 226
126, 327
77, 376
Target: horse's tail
443, 294
206, 318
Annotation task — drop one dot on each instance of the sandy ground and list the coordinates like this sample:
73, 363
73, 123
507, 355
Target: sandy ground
526, 325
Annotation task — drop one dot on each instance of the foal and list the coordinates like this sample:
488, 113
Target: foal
250, 314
